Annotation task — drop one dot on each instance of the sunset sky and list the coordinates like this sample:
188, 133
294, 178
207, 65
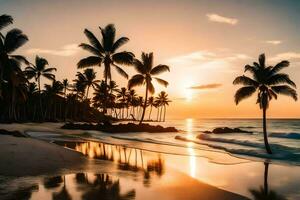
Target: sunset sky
205, 42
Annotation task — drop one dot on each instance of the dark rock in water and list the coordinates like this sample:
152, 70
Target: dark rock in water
221, 130
12, 133
120, 128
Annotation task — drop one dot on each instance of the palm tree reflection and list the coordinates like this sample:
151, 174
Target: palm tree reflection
101, 187
263, 193
128, 159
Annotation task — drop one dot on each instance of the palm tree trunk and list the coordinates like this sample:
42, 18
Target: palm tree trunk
40, 98
164, 113
87, 92
145, 104
150, 112
265, 132
157, 113
160, 114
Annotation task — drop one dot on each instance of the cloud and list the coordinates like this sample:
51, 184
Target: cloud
274, 42
206, 86
221, 19
207, 58
286, 56
65, 51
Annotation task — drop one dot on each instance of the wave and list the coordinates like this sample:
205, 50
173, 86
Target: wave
295, 136
281, 153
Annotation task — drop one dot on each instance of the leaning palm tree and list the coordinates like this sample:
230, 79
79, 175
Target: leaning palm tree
268, 82
146, 71
106, 52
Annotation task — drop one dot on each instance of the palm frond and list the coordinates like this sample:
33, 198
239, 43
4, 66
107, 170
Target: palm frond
90, 49
136, 80
120, 42
262, 60
20, 59
108, 36
49, 69
162, 82
285, 90
245, 80
151, 88
159, 69
93, 40
280, 79
5, 20
14, 39
139, 66
243, 93
89, 62
121, 71
49, 76
280, 66
123, 58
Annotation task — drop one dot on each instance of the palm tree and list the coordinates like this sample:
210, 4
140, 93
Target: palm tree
106, 52
146, 71
122, 95
269, 83
88, 77
163, 101
39, 69
66, 86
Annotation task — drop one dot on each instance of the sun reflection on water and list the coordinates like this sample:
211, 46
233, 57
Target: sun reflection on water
192, 158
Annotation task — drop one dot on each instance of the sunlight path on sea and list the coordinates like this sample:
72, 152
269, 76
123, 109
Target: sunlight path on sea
192, 158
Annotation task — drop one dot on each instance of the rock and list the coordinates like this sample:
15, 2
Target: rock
221, 130
120, 128
12, 133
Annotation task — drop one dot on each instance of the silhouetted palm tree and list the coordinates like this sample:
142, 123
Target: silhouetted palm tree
89, 79
268, 82
163, 101
146, 71
39, 69
105, 52
66, 86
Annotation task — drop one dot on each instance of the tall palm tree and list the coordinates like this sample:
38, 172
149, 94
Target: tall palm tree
106, 52
268, 82
38, 70
146, 71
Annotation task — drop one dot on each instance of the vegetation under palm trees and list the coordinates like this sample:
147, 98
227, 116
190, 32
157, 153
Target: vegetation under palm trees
268, 82
146, 71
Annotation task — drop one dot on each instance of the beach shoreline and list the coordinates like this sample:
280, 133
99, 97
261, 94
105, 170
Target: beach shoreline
30, 157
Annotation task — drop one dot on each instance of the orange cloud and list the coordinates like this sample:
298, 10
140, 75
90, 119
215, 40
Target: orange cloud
206, 86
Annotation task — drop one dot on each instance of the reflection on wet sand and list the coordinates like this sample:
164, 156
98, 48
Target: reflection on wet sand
129, 159
263, 193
